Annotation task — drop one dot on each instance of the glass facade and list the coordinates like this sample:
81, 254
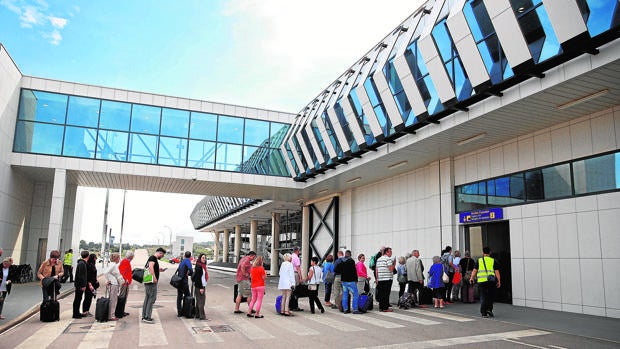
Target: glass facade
580, 177
601, 17
91, 128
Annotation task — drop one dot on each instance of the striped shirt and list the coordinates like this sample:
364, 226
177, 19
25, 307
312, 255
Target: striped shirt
383, 268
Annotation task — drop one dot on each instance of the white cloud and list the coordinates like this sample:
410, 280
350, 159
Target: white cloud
54, 37
304, 46
58, 22
30, 17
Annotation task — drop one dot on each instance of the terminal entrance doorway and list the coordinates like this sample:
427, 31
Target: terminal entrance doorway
496, 236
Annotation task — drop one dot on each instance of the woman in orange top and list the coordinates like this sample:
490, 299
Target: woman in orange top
258, 276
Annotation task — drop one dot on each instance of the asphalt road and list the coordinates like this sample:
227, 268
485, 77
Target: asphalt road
414, 328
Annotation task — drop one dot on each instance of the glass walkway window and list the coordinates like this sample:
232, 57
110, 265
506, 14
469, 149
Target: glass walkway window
597, 174
82, 127
600, 16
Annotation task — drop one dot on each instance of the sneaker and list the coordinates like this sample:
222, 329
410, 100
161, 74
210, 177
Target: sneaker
357, 312
485, 316
148, 320
347, 311
388, 310
79, 316
490, 314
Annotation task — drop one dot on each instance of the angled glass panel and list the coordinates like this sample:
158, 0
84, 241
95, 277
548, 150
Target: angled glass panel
377, 106
310, 149
115, 115
398, 92
201, 154
203, 126
600, 16
319, 139
145, 119
537, 29
80, 142
452, 61
143, 148
416, 64
344, 123
172, 151
361, 117
332, 138
256, 132
112, 145
39, 138
230, 129
174, 122
291, 158
83, 111
229, 157
252, 159
43, 106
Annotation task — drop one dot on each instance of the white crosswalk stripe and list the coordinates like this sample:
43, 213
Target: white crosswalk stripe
458, 341
98, 336
403, 317
371, 320
48, 333
284, 322
152, 334
440, 315
247, 326
333, 323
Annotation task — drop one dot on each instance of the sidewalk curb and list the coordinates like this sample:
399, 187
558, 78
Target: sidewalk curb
28, 313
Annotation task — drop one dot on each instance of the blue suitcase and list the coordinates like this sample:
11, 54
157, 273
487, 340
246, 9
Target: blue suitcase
364, 303
278, 304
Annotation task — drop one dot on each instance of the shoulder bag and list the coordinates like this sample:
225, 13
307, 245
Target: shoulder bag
490, 278
314, 286
148, 277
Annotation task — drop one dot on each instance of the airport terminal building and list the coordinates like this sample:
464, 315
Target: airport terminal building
473, 123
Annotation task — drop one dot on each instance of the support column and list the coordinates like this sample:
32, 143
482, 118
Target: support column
253, 233
216, 246
225, 247
275, 244
237, 243
305, 239
56, 211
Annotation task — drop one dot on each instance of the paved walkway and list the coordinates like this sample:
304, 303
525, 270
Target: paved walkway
25, 299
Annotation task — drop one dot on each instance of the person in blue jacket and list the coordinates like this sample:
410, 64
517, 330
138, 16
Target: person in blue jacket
184, 270
328, 267
436, 283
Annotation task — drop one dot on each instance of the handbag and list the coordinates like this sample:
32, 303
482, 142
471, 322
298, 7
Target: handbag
401, 278
138, 274
457, 278
314, 286
445, 278
176, 279
490, 278
148, 277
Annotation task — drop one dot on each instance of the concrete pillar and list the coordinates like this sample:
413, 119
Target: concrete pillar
56, 211
225, 247
275, 244
305, 239
216, 246
253, 233
237, 257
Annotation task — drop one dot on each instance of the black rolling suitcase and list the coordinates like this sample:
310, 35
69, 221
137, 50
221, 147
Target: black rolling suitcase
189, 305
102, 309
426, 295
119, 312
49, 310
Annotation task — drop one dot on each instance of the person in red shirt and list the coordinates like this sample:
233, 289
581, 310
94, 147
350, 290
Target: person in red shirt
258, 276
125, 268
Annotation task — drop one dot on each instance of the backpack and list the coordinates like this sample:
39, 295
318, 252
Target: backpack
445, 262
373, 262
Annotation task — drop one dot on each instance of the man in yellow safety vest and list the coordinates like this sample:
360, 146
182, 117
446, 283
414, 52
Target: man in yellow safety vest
67, 265
486, 273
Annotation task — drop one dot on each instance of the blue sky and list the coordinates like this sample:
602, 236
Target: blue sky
273, 54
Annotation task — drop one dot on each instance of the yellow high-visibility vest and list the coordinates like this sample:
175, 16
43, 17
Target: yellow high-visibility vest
483, 273
68, 259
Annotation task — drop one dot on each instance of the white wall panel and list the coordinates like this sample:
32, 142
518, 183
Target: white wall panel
368, 111
387, 98
304, 150
436, 69
296, 157
410, 86
354, 125
338, 130
603, 133
467, 49
565, 18
324, 134
508, 31
314, 143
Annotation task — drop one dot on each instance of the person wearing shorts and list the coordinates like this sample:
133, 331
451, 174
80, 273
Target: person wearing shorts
243, 280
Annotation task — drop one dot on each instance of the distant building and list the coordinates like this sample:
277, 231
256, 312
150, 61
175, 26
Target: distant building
182, 244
